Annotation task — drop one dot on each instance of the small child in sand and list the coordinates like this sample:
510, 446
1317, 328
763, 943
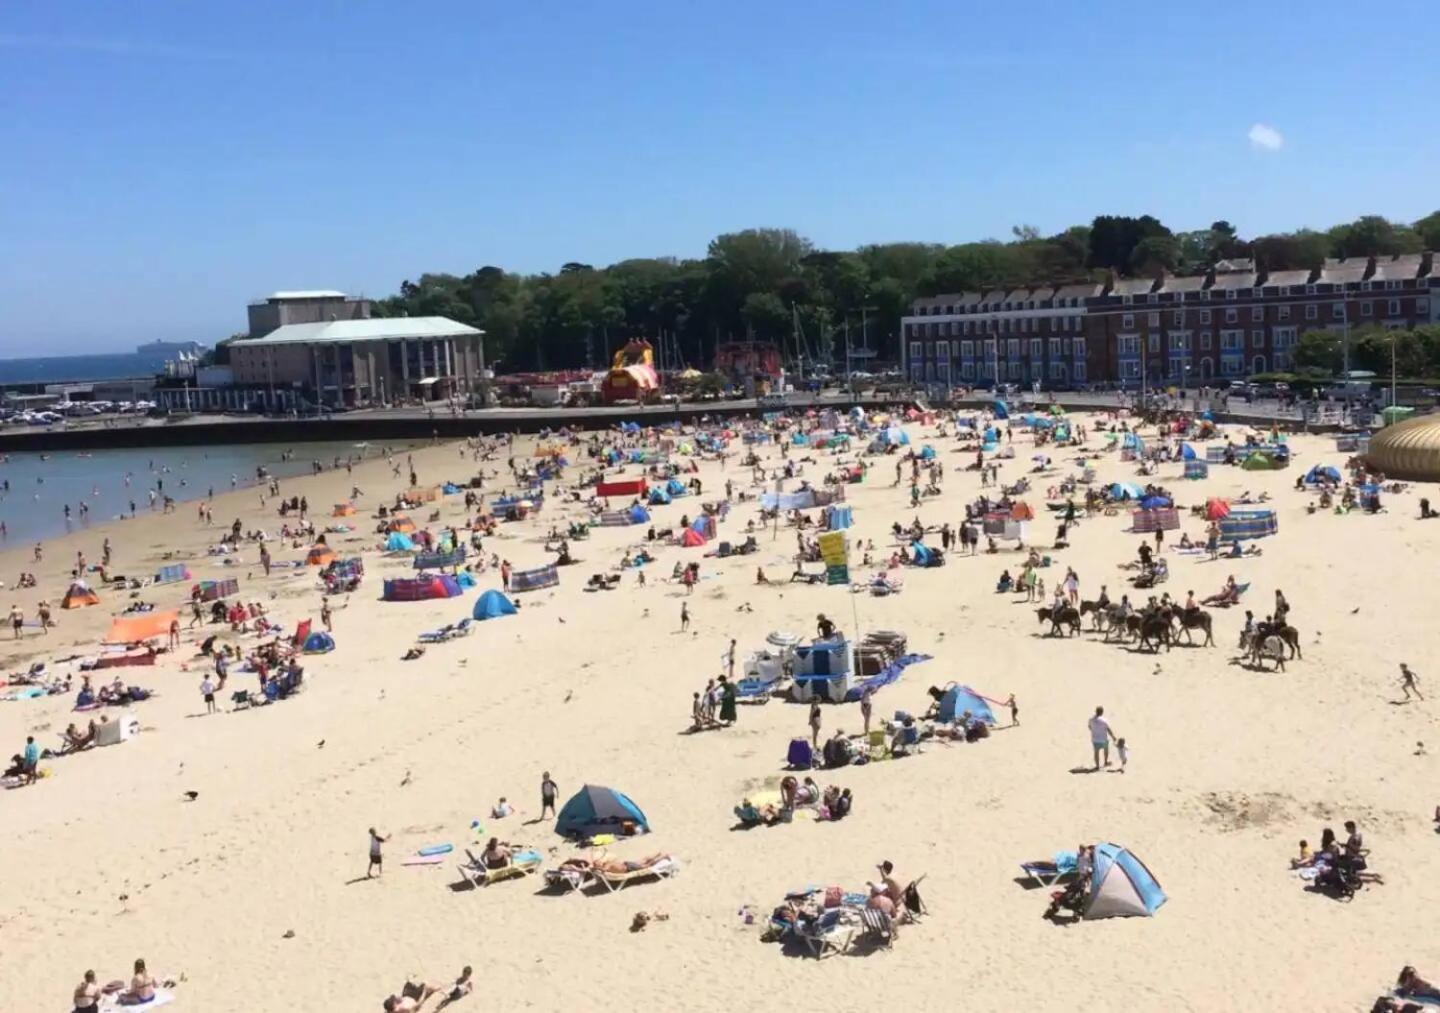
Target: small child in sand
1014, 710
1124, 752
501, 809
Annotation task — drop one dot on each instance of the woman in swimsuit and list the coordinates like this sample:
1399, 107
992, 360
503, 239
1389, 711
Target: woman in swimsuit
87, 994
142, 987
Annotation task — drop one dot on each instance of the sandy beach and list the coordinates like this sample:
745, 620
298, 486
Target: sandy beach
254, 895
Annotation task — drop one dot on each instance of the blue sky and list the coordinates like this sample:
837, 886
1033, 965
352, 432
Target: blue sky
162, 163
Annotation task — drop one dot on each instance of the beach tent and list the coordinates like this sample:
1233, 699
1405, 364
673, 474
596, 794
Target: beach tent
398, 542
172, 573
690, 538
534, 580
897, 437
1022, 511
402, 524
675, 487
1187, 452
320, 555
659, 496
343, 510
1322, 473
422, 588
1260, 461
1216, 509
319, 642
959, 699
1001, 410
1154, 502
838, 518
144, 626
1243, 524
466, 579
81, 595
1121, 886
593, 810
927, 453
1126, 490
493, 604
638, 514
704, 526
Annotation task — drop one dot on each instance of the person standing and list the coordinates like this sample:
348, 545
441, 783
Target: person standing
730, 661
549, 790
1100, 736
326, 616
684, 616
207, 692
727, 700
17, 621
265, 559
377, 859
43, 612
1409, 682
815, 723
1014, 710
867, 707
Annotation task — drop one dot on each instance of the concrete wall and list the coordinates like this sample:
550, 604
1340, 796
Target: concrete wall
267, 316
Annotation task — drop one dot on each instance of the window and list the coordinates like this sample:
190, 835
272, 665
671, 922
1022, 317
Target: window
942, 352
1365, 286
1337, 310
1012, 348
1282, 312
1231, 316
1367, 309
1178, 318
1204, 294
1257, 314
1125, 299
1232, 341
1127, 321
1153, 342
967, 371
1231, 367
1154, 320
1077, 371
1205, 340
1257, 365
1309, 289
1129, 370
1284, 289
1036, 348
1204, 316
1422, 306
1312, 312
967, 349
965, 327
990, 348
1392, 284
1230, 293
1257, 338
1128, 345
1015, 369
1178, 342
915, 351
1394, 308
1077, 349
1054, 348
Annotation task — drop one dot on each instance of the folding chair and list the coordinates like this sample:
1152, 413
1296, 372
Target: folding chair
878, 746
828, 934
879, 928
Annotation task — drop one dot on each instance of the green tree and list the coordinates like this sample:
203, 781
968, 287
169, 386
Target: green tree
1428, 229
1371, 236
1113, 239
1155, 253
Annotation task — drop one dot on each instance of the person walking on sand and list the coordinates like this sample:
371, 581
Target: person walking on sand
1409, 682
375, 867
1124, 753
326, 616
684, 617
867, 708
549, 791
1100, 736
815, 723
17, 621
207, 692
729, 658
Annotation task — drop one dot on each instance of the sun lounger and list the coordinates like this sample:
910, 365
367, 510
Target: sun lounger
448, 632
568, 879
521, 865
614, 882
830, 933
1043, 873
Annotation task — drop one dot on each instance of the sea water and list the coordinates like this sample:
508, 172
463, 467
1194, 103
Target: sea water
108, 482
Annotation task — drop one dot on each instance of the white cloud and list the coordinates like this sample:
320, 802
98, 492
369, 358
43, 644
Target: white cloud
1264, 137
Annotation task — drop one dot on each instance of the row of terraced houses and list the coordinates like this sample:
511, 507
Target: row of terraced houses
1234, 321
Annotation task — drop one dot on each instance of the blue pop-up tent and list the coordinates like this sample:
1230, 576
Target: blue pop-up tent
1120, 885
1321, 473
1126, 490
959, 699
399, 542
1001, 409
638, 514
594, 809
658, 496
493, 604
1187, 452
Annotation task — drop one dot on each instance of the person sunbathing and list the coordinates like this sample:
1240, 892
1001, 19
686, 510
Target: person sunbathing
141, 990
1411, 986
412, 998
618, 866
496, 855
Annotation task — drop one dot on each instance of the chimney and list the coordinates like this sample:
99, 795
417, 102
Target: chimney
1109, 285
1369, 267
1209, 277
1427, 264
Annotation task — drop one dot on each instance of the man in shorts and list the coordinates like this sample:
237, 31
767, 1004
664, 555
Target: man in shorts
376, 859
548, 792
1100, 736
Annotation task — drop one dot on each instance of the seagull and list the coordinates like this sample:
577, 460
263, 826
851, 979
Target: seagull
569, 695
407, 779
191, 796
320, 744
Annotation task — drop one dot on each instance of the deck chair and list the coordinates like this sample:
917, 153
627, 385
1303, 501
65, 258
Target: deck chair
879, 929
240, 700
614, 882
567, 880
1044, 873
829, 933
878, 745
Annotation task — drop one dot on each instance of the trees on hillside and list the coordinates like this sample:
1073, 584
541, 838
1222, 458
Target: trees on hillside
764, 282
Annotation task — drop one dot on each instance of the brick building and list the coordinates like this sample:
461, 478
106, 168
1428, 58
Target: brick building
1234, 321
